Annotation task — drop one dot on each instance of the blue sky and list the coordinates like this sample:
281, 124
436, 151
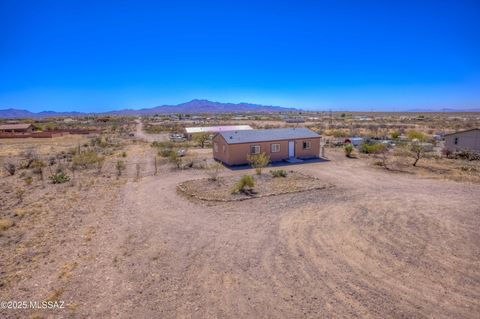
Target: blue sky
348, 55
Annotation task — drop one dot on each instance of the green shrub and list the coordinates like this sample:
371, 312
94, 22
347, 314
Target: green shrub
372, 148
279, 173
59, 178
348, 148
416, 135
244, 185
258, 161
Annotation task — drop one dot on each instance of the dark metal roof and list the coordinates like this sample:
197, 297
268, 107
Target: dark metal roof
473, 129
251, 136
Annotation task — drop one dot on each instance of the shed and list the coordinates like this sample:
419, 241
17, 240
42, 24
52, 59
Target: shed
463, 140
17, 128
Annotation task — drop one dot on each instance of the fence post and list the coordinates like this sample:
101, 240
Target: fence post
137, 166
155, 161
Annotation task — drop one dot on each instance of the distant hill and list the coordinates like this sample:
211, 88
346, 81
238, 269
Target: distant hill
447, 110
19, 114
192, 107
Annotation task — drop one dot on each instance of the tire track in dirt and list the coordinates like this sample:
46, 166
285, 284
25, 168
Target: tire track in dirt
373, 247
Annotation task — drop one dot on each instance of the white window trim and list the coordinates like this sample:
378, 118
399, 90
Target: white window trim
215, 147
308, 145
256, 147
277, 148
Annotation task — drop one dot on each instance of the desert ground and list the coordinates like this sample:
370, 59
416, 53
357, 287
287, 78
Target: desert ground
379, 244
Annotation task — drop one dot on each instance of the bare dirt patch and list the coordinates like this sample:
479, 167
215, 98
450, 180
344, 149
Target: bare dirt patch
221, 190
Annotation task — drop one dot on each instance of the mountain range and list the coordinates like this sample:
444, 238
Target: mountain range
192, 107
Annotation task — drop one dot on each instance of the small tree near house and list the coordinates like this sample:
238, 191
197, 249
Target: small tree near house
417, 151
258, 161
383, 151
416, 148
202, 138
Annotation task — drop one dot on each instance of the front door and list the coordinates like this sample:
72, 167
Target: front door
291, 148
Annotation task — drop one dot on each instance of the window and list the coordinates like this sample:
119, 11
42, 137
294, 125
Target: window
456, 140
215, 147
275, 148
306, 145
224, 148
255, 149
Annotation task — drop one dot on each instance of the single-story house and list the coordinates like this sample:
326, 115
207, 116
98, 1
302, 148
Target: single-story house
17, 128
190, 132
464, 140
233, 147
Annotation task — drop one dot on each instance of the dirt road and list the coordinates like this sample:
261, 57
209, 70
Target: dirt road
378, 245
140, 134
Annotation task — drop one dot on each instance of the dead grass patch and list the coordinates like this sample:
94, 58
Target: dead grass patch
6, 223
438, 168
56, 295
67, 270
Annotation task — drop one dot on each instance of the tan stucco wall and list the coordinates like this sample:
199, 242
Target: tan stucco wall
236, 154
466, 140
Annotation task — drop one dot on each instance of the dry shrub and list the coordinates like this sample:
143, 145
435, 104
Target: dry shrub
88, 159
10, 167
6, 223
279, 173
213, 171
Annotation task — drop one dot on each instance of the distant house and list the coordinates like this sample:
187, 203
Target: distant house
17, 128
233, 147
192, 131
464, 140
294, 120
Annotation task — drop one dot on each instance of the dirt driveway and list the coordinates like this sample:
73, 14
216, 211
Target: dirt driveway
140, 134
378, 245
